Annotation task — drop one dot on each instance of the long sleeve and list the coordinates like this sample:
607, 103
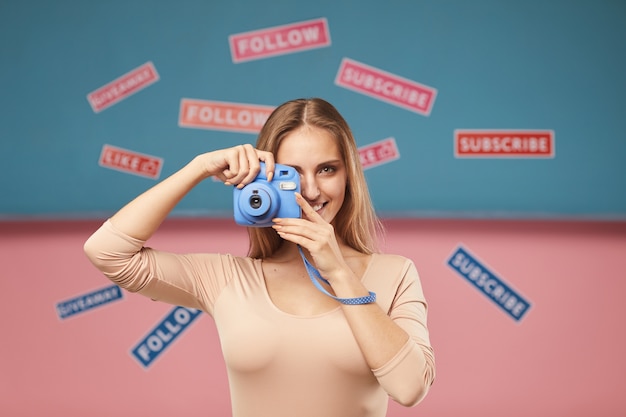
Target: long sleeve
408, 376
192, 280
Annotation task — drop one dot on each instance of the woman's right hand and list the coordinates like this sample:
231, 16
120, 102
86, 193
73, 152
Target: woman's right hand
238, 165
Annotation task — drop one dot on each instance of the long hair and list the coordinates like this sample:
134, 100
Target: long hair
356, 222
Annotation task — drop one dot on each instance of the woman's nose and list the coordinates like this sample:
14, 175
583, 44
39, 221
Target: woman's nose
309, 188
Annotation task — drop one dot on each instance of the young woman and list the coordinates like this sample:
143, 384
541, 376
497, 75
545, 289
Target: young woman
290, 349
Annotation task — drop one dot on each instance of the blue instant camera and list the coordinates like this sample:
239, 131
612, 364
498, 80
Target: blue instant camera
259, 202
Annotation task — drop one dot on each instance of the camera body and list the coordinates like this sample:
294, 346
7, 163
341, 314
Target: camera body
256, 204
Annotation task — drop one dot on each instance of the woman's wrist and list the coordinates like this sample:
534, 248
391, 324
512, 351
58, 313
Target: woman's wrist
201, 167
346, 284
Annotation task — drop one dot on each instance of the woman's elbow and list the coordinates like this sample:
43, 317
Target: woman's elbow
417, 390
94, 254
111, 267
411, 398
97, 257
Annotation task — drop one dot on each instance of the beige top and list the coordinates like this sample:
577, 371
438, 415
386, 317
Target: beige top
280, 364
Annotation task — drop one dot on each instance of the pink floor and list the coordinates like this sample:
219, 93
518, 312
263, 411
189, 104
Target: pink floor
564, 358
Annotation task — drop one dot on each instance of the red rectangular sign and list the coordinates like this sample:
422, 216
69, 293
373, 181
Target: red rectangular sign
378, 153
387, 87
503, 143
218, 115
122, 87
130, 162
279, 40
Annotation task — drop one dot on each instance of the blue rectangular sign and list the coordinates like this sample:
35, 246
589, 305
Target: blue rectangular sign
484, 280
88, 301
163, 335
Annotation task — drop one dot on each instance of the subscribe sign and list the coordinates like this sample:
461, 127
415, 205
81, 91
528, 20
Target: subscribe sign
386, 87
504, 143
490, 284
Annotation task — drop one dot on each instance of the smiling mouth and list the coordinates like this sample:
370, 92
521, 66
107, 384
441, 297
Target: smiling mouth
317, 207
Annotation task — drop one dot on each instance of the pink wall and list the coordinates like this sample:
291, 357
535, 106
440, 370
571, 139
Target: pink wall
565, 357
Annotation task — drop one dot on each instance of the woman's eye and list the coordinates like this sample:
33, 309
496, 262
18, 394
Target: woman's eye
327, 170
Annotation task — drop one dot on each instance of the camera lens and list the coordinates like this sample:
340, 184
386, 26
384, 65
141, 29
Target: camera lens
255, 201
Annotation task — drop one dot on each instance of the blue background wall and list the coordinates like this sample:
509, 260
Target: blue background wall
555, 65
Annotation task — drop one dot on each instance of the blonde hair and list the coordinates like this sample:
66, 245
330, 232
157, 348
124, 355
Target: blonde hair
356, 222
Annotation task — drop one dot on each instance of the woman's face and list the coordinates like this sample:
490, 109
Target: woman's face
315, 155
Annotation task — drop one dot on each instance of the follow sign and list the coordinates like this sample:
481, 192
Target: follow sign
163, 335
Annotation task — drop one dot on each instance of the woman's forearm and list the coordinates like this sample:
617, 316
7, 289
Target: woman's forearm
141, 217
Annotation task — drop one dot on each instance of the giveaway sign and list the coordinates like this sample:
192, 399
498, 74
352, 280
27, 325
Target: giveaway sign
122, 87
89, 301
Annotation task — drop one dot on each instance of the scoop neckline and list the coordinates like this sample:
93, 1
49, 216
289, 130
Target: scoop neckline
266, 293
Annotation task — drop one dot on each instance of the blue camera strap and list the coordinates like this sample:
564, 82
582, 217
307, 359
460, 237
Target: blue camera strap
316, 277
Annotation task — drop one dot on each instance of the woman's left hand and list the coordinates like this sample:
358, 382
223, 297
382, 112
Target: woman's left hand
315, 235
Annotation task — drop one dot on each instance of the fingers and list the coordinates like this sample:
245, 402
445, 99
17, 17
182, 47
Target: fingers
242, 165
296, 238
314, 237
311, 226
249, 160
307, 210
268, 159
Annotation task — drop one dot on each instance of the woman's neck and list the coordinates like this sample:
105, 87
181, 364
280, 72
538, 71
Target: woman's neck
288, 252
